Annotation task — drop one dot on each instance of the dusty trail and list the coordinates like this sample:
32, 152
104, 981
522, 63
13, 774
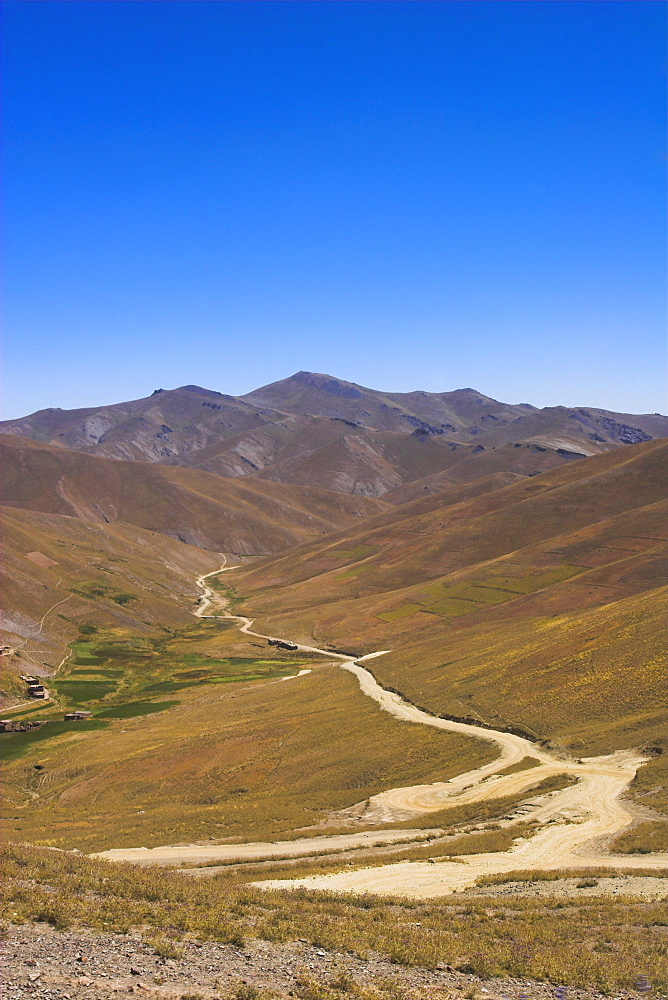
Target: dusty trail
198, 854
576, 822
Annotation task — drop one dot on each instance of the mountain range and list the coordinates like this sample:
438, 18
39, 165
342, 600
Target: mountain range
320, 431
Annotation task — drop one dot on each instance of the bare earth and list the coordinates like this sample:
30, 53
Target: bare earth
576, 822
39, 961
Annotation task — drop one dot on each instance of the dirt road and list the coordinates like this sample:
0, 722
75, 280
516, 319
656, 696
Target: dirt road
575, 822
197, 854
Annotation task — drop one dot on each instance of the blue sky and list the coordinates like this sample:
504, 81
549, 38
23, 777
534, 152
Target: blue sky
404, 194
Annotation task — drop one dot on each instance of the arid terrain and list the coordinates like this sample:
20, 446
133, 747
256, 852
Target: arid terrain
405, 661
316, 430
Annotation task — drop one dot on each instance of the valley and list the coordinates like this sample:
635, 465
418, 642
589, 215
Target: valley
583, 813
429, 673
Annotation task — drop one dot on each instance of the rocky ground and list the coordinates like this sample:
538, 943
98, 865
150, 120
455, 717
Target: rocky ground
640, 887
41, 962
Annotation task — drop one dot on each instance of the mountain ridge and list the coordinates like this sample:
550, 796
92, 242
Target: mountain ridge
313, 429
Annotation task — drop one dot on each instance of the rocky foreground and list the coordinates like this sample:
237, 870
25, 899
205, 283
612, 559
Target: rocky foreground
42, 962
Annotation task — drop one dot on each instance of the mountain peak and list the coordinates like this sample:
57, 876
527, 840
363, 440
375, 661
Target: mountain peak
327, 383
199, 390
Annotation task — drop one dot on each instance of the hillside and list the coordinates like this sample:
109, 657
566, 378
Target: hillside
315, 430
59, 573
537, 604
119, 543
189, 505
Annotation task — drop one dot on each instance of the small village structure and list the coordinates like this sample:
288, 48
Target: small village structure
282, 645
37, 690
20, 725
35, 687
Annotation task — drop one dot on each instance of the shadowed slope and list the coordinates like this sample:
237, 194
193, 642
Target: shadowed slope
190, 505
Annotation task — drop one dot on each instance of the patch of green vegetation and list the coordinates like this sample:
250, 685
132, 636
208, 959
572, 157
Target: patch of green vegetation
98, 673
168, 686
128, 649
233, 599
226, 672
82, 692
14, 745
452, 600
93, 590
402, 612
351, 573
123, 598
18, 713
452, 608
529, 582
134, 709
86, 660
356, 552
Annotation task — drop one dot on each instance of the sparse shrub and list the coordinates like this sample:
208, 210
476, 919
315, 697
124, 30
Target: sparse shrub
343, 981
52, 915
164, 948
246, 992
310, 989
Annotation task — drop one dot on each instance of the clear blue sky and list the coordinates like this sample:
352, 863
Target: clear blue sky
404, 194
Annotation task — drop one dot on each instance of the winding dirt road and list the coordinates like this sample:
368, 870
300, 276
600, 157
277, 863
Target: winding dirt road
575, 822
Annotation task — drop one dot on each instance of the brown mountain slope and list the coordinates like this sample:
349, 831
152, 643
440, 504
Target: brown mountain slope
60, 572
317, 430
515, 461
190, 505
493, 603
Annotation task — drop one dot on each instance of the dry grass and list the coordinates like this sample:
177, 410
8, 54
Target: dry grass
649, 793
649, 788
599, 943
538, 604
520, 765
556, 875
437, 849
643, 838
250, 760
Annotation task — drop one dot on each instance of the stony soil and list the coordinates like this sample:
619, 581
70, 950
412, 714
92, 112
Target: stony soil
41, 962
640, 887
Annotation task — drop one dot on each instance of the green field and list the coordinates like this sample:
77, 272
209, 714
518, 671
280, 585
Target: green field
14, 745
